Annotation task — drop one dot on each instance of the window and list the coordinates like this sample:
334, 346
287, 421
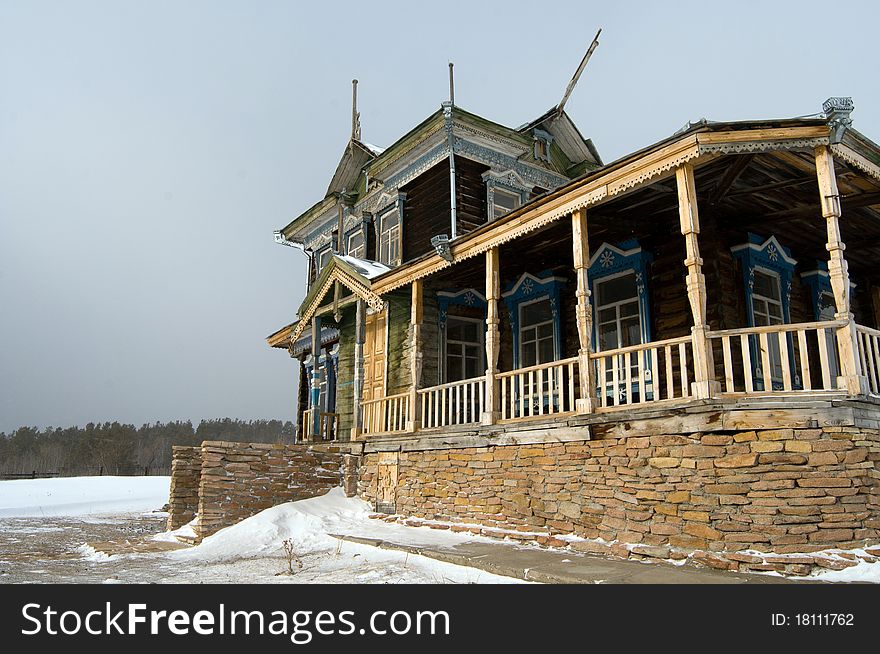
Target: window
464, 349
536, 333
542, 144
324, 258
357, 245
618, 315
504, 202
767, 310
389, 238
767, 269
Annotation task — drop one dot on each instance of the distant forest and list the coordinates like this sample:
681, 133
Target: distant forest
112, 448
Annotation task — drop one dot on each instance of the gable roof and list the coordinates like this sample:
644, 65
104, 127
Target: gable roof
354, 274
353, 160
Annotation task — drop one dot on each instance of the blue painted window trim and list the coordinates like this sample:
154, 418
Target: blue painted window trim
467, 297
526, 289
611, 260
819, 283
769, 255
331, 371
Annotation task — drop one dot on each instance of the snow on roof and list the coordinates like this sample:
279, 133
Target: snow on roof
375, 149
365, 268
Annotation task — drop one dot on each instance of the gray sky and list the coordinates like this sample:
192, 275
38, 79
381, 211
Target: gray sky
149, 149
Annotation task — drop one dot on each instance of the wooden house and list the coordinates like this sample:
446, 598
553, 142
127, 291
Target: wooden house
509, 332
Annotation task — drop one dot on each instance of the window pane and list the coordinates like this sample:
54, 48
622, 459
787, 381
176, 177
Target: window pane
545, 348
528, 355
505, 201
629, 309
632, 333
536, 312
617, 289
766, 285
608, 336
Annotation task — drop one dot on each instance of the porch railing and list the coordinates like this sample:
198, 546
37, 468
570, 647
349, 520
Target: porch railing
328, 424
779, 358
639, 374
869, 356
386, 414
455, 403
546, 389
755, 361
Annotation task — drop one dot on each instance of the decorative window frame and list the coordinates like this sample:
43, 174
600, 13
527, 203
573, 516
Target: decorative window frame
770, 255
529, 288
467, 297
509, 181
614, 260
389, 203
542, 137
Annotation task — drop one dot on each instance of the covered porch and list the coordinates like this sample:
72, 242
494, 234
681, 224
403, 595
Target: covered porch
618, 297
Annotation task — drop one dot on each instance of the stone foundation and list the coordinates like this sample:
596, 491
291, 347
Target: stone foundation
226, 482
707, 496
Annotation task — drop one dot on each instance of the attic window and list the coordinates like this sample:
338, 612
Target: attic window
542, 145
389, 238
357, 247
504, 202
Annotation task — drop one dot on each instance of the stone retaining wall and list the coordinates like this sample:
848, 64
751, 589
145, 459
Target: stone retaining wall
226, 482
186, 471
695, 495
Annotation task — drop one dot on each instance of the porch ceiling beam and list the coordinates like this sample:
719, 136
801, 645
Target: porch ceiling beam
736, 168
808, 210
775, 186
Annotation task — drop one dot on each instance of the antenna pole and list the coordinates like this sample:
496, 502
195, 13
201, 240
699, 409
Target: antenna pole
577, 74
355, 116
451, 83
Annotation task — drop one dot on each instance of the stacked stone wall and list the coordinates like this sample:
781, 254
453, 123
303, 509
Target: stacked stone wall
186, 471
781, 491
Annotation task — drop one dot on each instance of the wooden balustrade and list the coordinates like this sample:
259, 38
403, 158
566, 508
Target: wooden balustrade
541, 390
869, 356
455, 403
651, 372
779, 358
329, 423
386, 414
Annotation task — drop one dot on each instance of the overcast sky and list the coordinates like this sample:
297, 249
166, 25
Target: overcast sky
149, 149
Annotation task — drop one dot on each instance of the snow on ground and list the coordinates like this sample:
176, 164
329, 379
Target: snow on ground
310, 524
82, 496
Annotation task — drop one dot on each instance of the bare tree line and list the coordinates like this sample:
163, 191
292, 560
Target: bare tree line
112, 448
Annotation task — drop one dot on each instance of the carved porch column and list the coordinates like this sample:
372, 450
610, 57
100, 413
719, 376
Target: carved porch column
315, 432
584, 311
493, 342
360, 321
413, 422
851, 379
704, 385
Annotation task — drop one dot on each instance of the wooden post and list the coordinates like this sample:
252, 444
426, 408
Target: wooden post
315, 433
584, 311
360, 321
851, 379
413, 422
493, 293
704, 385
